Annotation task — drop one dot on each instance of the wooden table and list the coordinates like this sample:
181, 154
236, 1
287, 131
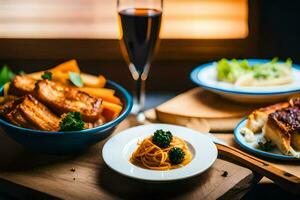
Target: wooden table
27, 175
291, 167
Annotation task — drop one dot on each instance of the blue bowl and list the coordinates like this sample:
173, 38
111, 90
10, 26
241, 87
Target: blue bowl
61, 143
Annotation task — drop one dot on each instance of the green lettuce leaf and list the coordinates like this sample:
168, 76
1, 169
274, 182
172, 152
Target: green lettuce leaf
229, 71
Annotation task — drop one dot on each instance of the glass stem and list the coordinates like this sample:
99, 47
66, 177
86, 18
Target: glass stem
140, 94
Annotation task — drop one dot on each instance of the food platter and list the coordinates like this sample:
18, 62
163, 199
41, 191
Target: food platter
206, 76
118, 150
251, 146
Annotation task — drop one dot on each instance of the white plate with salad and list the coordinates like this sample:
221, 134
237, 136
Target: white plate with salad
249, 80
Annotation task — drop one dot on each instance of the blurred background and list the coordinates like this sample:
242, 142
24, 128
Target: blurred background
36, 34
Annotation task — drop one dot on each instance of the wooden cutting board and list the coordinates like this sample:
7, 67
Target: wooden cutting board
27, 175
219, 114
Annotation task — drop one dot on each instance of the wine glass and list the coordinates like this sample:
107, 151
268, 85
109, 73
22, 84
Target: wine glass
139, 24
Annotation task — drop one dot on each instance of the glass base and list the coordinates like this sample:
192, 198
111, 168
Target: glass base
139, 115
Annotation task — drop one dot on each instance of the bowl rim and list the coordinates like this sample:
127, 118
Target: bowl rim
126, 110
194, 77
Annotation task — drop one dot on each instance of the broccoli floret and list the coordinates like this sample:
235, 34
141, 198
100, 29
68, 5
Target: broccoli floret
72, 121
47, 75
176, 155
162, 138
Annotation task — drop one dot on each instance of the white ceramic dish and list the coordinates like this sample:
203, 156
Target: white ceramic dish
206, 77
118, 150
251, 147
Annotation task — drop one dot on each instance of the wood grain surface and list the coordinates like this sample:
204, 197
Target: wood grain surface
85, 176
291, 167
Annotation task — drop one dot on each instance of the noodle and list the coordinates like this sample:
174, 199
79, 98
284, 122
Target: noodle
150, 156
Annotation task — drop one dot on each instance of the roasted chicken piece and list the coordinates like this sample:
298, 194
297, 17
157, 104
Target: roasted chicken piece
259, 117
281, 128
64, 99
21, 85
28, 112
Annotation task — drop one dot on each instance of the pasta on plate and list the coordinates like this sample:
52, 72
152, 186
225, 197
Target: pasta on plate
162, 151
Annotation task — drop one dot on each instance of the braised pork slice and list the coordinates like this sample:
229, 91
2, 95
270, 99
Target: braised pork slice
28, 112
21, 85
281, 127
7, 107
17, 118
63, 99
38, 114
259, 117
8, 111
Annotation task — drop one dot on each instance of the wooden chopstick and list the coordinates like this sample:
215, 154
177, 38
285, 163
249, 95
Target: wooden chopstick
284, 179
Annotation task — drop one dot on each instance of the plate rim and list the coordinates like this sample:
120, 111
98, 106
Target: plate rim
257, 151
194, 77
168, 179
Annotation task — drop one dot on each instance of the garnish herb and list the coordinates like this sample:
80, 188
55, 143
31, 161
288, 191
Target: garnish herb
76, 79
71, 121
266, 146
47, 75
176, 155
6, 75
162, 138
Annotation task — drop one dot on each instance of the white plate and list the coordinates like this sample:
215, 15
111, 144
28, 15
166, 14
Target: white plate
118, 150
251, 146
206, 77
